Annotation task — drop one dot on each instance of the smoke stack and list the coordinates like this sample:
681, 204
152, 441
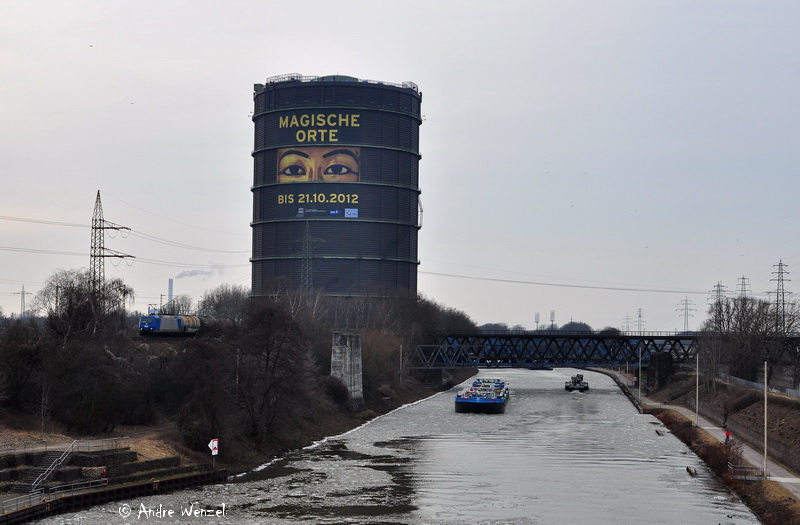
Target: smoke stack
169, 294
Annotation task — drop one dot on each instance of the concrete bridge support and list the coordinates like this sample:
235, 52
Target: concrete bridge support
346, 366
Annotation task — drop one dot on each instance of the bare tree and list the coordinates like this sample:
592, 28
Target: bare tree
45, 405
273, 358
225, 302
308, 306
180, 305
741, 333
71, 305
117, 296
792, 325
203, 385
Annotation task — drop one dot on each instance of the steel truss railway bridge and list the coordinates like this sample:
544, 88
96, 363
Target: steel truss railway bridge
545, 349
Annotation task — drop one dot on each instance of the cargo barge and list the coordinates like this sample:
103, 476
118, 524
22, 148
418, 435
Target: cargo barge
484, 396
576, 383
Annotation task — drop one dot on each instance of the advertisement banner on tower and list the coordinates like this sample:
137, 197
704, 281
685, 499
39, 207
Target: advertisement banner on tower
321, 147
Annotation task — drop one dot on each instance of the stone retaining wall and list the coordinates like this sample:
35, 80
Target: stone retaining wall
104, 458
16, 460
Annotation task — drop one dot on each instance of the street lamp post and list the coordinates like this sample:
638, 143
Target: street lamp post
640, 377
765, 419
401, 363
697, 390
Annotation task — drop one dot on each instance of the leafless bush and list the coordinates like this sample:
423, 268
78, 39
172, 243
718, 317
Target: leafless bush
719, 455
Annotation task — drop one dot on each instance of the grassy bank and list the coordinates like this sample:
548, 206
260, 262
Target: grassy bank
772, 503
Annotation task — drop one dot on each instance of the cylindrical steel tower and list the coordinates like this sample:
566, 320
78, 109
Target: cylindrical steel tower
336, 184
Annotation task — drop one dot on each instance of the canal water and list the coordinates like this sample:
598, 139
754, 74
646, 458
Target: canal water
554, 457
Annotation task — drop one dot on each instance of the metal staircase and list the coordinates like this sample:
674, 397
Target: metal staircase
26, 484
38, 476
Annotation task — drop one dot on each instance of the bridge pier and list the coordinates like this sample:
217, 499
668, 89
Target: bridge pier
346, 366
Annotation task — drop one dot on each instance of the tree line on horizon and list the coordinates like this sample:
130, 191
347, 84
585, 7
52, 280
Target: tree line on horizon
81, 363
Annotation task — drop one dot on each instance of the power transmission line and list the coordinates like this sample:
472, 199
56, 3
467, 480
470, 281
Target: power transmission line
173, 220
640, 321
133, 233
743, 287
97, 269
780, 297
22, 295
717, 299
307, 244
39, 221
626, 323
584, 286
686, 307
35, 250
138, 259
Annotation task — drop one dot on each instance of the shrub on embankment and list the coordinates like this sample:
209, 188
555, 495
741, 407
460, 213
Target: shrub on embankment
713, 453
741, 410
768, 500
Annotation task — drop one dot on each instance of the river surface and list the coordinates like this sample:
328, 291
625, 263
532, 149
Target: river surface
554, 457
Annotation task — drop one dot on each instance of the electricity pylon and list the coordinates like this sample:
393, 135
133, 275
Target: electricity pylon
97, 269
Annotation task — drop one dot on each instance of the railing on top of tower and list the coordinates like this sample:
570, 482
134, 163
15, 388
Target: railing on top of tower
297, 77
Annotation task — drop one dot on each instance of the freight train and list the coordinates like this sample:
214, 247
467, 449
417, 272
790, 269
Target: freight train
183, 325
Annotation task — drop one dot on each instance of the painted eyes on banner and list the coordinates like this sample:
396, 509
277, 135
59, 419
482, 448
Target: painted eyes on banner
318, 164
293, 171
338, 170
334, 171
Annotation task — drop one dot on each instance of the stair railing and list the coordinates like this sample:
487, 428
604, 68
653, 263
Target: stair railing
57, 463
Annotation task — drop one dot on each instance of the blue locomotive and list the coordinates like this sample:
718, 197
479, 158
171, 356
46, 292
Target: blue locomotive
157, 324
183, 325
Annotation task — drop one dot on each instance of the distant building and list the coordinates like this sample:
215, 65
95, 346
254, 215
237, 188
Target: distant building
336, 184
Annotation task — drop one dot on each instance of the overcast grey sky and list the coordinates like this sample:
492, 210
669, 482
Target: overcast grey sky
583, 157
